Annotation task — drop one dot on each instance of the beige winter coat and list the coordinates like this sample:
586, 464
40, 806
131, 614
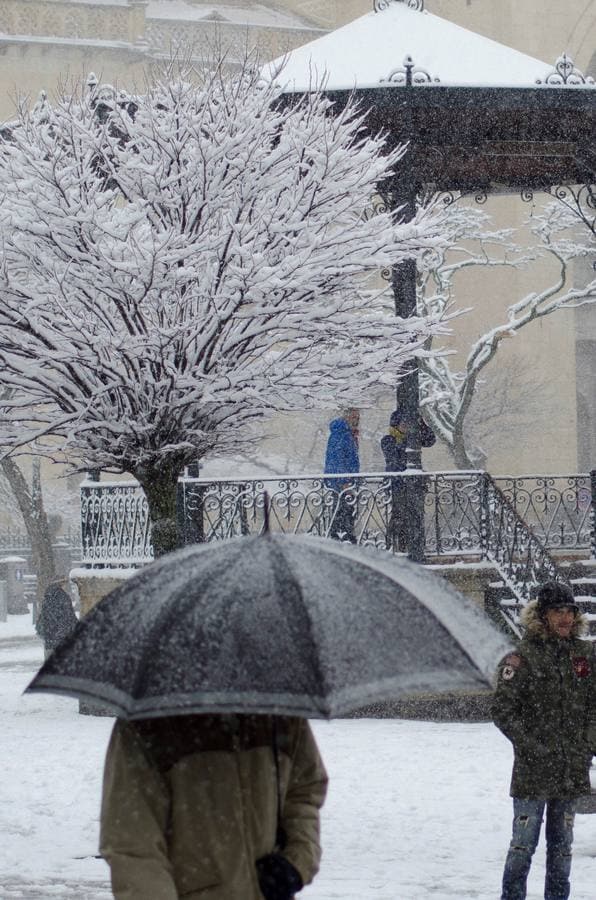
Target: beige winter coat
191, 802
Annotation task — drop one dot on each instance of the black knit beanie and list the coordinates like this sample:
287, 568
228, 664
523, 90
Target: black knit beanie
553, 595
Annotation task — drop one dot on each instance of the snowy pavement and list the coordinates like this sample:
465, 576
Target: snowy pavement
416, 810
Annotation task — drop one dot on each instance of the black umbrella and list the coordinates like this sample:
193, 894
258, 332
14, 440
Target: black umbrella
276, 624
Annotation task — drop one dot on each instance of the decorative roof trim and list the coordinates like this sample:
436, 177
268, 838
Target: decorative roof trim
213, 17
565, 73
409, 74
380, 5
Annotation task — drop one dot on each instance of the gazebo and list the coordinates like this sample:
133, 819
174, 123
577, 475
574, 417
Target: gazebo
478, 118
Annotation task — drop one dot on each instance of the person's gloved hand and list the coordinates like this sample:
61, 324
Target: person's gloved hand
278, 879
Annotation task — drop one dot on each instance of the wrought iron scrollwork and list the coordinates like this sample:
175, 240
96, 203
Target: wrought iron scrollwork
378, 205
511, 520
580, 199
448, 198
522, 559
409, 74
565, 73
380, 5
556, 508
581, 196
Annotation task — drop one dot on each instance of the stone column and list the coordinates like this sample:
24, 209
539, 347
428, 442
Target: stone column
12, 570
92, 585
137, 20
3, 605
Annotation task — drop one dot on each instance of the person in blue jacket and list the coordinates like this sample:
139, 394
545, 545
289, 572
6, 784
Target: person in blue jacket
342, 457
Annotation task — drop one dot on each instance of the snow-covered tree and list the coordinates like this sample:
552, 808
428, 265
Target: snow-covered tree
178, 264
564, 233
27, 498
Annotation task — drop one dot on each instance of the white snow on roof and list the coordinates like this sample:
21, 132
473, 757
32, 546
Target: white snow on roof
95, 2
256, 14
369, 48
94, 43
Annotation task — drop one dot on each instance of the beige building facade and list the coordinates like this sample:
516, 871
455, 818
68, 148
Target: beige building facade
545, 376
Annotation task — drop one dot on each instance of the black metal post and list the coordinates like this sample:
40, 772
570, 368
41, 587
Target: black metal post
484, 515
593, 514
403, 279
189, 508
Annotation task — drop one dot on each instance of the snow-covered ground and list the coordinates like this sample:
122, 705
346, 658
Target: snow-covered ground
416, 810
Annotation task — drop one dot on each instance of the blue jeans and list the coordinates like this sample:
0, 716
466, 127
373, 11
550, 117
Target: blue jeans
527, 820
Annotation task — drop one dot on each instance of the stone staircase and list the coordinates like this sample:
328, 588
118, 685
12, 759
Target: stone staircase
584, 589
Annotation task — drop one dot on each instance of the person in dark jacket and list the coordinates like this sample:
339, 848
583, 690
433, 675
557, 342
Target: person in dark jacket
394, 448
57, 619
342, 457
544, 703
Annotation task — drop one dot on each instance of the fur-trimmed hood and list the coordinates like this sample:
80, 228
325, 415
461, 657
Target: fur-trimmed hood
535, 626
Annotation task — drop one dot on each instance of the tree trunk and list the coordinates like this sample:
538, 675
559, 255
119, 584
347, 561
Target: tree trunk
30, 503
460, 454
161, 488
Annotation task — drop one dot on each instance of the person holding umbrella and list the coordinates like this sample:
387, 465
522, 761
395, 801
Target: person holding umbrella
212, 807
214, 658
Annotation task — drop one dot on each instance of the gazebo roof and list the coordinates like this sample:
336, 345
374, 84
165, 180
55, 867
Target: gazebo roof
365, 51
476, 115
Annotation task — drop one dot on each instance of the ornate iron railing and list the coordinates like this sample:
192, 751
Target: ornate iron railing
115, 522
521, 558
13, 541
16, 541
512, 522
557, 508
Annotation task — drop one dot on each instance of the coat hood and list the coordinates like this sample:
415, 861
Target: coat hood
339, 425
535, 626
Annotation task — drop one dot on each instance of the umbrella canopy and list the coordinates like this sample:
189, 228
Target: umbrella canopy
275, 624
364, 52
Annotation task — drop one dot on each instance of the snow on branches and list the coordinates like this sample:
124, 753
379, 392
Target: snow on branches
176, 265
564, 235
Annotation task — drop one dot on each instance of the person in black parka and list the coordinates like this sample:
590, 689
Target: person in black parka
394, 447
57, 619
545, 704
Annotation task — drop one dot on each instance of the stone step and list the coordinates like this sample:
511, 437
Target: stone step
584, 586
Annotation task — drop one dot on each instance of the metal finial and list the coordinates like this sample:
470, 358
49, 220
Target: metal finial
380, 5
409, 74
565, 73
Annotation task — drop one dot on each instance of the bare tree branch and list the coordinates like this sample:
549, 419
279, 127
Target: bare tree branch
448, 396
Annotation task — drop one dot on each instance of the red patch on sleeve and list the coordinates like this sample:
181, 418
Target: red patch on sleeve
581, 666
509, 666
